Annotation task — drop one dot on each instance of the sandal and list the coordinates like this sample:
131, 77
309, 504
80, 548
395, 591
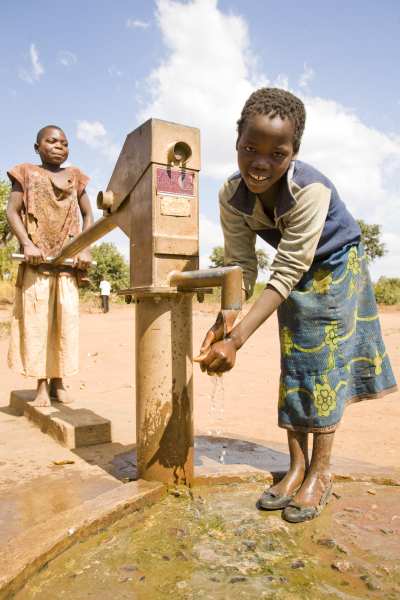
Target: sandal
295, 513
273, 501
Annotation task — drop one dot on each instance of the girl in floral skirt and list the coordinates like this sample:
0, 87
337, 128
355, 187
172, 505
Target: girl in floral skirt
332, 352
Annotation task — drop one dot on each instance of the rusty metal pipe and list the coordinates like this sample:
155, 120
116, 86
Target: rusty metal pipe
164, 388
228, 278
84, 239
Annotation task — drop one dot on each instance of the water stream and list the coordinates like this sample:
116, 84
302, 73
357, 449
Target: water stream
216, 412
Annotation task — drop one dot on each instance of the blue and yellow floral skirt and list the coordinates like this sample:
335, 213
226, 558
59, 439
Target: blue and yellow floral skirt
332, 352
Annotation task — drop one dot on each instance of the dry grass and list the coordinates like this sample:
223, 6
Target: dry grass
5, 327
7, 292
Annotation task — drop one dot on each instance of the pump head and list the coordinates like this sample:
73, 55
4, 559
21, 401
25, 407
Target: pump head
179, 153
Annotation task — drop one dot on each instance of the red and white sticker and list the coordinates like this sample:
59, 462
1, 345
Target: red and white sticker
176, 182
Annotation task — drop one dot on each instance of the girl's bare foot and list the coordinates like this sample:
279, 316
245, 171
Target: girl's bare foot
58, 391
42, 397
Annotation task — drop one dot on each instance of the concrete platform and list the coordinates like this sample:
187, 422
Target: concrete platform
72, 427
26, 553
83, 491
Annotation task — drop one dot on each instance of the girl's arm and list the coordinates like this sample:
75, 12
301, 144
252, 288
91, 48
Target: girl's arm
295, 253
86, 211
83, 259
15, 206
222, 355
239, 249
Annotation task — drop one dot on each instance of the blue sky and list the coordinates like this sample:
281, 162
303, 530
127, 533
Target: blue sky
99, 68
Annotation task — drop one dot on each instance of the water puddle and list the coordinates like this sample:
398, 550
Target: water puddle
212, 543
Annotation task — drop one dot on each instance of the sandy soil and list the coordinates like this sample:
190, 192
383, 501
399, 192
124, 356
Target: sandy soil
369, 432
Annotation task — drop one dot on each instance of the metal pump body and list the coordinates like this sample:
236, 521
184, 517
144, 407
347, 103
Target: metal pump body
153, 196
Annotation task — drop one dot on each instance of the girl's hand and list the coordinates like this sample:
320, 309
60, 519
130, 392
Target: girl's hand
32, 254
218, 358
83, 260
221, 328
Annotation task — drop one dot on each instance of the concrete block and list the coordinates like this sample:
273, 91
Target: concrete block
70, 425
25, 554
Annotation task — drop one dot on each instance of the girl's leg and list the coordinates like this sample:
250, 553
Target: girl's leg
42, 397
58, 391
278, 496
298, 450
318, 479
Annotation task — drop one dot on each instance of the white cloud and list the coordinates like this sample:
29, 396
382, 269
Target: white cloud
35, 69
306, 76
362, 162
205, 85
94, 134
137, 24
67, 58
114, 72
36, 65
210, 234
282, 81
91, 132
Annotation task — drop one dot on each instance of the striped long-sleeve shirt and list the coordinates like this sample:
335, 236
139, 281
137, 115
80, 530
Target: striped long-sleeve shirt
310, 222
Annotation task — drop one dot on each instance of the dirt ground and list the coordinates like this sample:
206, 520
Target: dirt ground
368, 435
44, 486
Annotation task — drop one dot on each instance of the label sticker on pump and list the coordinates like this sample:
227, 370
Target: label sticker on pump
176, 182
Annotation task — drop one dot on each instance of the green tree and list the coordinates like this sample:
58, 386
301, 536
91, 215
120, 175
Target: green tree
111, 265
370, 237
5, 232
8, 245
8, 267
217, 258
387, 290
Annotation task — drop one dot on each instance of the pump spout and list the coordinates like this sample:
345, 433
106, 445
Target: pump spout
228, 278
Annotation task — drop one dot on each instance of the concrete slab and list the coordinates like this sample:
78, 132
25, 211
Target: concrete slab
223, 460
30, 551
72, 427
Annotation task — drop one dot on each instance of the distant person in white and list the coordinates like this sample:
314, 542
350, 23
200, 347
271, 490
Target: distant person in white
105, 289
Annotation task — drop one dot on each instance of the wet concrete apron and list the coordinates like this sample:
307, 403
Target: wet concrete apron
214, 544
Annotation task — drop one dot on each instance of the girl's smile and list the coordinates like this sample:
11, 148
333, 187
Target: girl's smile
265, 150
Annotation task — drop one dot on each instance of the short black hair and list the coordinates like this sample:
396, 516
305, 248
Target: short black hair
42, 131
274, 101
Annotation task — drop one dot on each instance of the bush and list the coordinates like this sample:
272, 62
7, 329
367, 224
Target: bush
7, 292
387, 290
111, 265
5, 327
8, 267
